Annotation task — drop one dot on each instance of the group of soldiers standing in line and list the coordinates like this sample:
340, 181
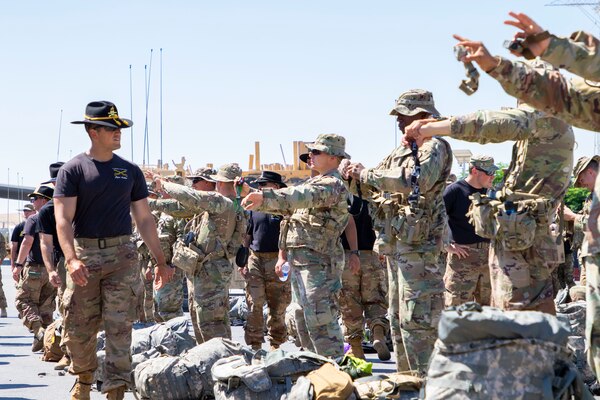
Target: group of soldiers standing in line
511, 245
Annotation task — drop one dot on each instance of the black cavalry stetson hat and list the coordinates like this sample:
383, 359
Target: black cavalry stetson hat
104, 113
270, 176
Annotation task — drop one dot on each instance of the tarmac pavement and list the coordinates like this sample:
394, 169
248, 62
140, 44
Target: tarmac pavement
23, 376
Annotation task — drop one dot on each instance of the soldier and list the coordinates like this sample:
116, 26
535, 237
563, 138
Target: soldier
16, 238
313, 247
467, 276
97, 194
523, 252
263, 285
214, 234
36, 297
3, 303
409, 217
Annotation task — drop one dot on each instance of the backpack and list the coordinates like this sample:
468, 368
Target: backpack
330, 383
52, 338
486, 353
398, 385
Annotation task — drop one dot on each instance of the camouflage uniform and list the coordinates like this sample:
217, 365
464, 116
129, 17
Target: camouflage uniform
218, 226
3, 304
319, 215
579, 238
145, 306
538, 178
410, 236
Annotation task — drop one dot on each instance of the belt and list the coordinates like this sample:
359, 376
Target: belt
478, 245
103, 243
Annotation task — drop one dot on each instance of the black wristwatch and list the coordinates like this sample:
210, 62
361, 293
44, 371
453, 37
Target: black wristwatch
18, 265
357, 252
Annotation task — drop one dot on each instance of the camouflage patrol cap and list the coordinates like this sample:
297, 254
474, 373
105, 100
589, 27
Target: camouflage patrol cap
413, 102
484, 163
330, 143
582, 164
175, 179
203, 173
27, 207
227, 173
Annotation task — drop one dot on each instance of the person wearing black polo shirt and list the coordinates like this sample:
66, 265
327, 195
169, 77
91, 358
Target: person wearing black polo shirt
36, 297
16, 238
262, 281
467, 276
97, 194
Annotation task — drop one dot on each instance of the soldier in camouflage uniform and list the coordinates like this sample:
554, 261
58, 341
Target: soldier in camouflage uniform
145, 306
405, 190
215, 233
319, 214
523, 250
3, 304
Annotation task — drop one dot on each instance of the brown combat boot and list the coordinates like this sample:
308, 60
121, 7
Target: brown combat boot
356, 349
82, 387
380, 343
116, 393
63, 363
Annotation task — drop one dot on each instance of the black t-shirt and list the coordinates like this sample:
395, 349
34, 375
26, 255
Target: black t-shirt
456, 198
364, 225
17, 236
264, 229
35, 254
47, 224
104, 192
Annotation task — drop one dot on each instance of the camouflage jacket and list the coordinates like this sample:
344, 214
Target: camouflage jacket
319, 212
580, 226
218, 222
2, 247
392, 178
542, 157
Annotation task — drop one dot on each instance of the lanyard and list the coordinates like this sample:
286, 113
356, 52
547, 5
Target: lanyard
413, 198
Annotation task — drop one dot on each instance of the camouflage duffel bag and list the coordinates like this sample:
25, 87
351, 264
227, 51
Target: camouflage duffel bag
167, 378
486, 353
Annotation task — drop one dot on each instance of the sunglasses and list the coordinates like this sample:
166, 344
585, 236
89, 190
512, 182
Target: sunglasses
196, 180
315, 152
34, 198
492, 173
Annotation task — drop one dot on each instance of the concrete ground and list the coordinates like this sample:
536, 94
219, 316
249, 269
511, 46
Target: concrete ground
24, 376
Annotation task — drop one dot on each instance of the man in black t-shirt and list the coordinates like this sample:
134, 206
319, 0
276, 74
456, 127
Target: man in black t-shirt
36, 297
16, 238
96, 195
467, 276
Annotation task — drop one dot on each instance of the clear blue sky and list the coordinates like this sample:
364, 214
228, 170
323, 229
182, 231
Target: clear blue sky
239, 71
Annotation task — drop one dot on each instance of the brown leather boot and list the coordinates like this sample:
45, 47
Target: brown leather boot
356, 349
116, 393
63, 363
380, 343
83, 385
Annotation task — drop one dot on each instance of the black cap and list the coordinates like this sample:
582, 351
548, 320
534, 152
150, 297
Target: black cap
270, 176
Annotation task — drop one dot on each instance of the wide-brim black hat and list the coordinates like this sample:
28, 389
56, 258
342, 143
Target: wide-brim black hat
43, 191
104, 113
270, 176
304, 158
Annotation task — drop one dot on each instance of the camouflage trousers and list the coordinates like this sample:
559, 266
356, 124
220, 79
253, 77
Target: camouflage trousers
211, 298
263, 286
189, 279
394, 316
418, 302
316, 283
363, 296
62, 273
168, 300
104, 303
468, 279
145, 305
521, 280
592, 321
36, 297
562, 276
3, 303
582, 272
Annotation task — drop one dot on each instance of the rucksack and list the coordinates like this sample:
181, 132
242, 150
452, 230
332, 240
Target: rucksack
486, 353
398, 385
52, 338
330, 383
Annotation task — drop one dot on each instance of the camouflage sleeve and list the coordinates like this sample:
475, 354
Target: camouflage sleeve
197, 201
2, 247
324, 191
432, 156
493, 126
171, 207
577, 54
573, 101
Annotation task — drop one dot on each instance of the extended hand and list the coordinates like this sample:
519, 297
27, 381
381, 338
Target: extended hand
252, 201
478, 53
412, 133
527, 28
354, 170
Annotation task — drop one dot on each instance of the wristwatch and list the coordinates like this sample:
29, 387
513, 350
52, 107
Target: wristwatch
357, 252
18, 265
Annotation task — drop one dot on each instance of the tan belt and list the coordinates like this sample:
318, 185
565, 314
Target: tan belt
103, 243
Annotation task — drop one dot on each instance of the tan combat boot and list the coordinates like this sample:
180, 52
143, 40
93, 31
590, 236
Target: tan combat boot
356, 349
82, 387
116, 393
38, 339
63, 363
380, 343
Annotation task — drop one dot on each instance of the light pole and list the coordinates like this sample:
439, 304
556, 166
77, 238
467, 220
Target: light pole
462, 157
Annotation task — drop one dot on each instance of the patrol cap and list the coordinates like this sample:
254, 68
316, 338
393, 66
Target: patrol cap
104, 113
27, 207
484, 163
582, 164
42, 191
175, 179
203, 173
330, 143
227, 173
415, 101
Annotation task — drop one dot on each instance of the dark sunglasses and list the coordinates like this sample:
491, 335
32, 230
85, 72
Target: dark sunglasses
492, 173
196, 180
315, 152
34, 198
